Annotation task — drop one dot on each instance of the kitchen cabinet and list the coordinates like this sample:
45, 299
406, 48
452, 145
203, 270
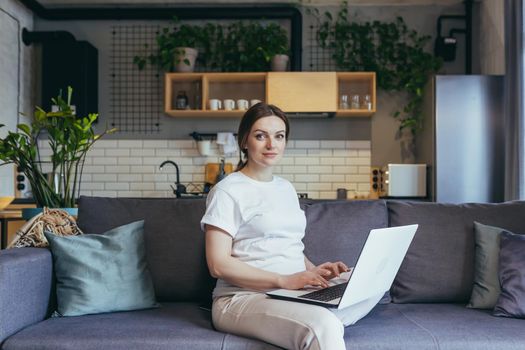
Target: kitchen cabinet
301, 92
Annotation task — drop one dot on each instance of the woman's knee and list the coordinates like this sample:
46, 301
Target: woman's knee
326, 330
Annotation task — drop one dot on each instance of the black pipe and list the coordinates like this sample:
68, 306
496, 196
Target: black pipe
38, 37
468, 54
183, 13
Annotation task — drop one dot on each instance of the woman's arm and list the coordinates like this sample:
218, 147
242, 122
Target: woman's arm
222, 265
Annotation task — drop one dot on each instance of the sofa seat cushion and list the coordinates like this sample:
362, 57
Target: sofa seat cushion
434, 326
183, 324
186, 326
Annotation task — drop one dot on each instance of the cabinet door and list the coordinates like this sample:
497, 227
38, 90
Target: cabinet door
303, 91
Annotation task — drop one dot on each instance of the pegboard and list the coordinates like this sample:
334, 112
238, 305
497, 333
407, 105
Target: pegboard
319, 59
136, 101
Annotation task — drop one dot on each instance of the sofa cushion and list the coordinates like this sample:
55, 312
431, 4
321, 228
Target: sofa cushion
337, 230
486, 289
173, 239
172, 326
433, 326
439, 265
186, 326
446, 327
511, 301
102, 273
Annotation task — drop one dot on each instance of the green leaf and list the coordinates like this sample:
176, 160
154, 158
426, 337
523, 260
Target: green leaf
25, 128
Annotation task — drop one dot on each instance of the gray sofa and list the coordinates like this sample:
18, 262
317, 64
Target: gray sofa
428, 296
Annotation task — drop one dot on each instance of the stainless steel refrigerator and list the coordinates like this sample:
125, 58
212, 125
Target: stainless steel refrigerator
462, 138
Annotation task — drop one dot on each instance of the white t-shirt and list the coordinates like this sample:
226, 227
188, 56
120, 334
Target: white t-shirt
264, 220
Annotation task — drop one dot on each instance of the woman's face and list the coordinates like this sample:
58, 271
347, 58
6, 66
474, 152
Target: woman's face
266, 142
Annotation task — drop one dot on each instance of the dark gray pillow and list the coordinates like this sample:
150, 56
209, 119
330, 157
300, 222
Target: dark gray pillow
511, 301
486, 289
439, 265
102, 273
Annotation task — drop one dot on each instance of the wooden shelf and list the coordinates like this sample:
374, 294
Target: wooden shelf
354, 113
292, 91
190, 113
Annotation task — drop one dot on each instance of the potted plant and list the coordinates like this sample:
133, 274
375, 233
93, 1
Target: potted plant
274, 47
176, 48
69, 138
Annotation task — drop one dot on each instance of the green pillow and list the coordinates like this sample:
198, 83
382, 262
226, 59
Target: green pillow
99, 273
486, 289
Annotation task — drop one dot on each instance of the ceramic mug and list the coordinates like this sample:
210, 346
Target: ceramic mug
229, 105
215, 104
254, 102
242, 105
204, 147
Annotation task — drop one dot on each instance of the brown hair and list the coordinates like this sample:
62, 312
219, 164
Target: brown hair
256, 112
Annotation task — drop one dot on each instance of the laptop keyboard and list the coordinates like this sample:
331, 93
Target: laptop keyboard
326, 294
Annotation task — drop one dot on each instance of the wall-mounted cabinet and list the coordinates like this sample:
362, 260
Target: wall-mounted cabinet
294, 92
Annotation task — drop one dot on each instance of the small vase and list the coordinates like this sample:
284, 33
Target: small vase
182, 54
280, 63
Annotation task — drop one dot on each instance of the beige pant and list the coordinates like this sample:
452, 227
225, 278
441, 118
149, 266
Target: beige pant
287, 324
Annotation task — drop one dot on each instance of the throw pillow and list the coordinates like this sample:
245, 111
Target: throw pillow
511, 301
486, 289
99, 273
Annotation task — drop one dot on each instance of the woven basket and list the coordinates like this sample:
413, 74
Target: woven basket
56, 221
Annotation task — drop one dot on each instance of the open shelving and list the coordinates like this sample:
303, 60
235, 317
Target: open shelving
292, 91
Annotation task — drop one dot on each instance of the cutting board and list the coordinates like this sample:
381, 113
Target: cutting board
212, 170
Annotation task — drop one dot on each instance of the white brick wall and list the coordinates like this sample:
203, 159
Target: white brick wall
130, 168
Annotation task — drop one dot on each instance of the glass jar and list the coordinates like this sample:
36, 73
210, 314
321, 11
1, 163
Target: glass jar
367, 102
355, 102
181, 101
343, 104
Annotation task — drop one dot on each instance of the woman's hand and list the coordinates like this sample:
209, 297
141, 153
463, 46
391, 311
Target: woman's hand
301, 279
330, 270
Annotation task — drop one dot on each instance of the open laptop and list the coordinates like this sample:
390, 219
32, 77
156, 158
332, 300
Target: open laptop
373, 274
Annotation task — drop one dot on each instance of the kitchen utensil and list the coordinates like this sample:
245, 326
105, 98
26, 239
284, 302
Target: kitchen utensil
211, 171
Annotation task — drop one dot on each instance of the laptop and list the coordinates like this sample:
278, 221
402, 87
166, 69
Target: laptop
373, 274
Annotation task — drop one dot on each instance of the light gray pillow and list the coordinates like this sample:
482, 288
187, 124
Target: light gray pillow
486, 288
99, 273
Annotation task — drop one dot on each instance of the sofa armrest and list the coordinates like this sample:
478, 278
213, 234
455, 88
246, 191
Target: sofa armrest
26, 277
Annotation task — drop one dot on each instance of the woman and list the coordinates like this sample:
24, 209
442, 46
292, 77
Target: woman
254, 227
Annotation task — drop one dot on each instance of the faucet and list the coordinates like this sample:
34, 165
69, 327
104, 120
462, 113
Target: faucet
180, 187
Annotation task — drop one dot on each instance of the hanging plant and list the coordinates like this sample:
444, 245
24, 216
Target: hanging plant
392, 50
